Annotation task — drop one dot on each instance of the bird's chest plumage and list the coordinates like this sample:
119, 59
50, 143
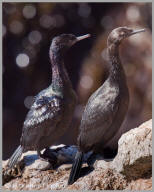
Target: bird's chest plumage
69, 103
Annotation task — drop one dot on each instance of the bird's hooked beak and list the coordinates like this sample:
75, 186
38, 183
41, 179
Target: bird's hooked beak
136, 31
82, 37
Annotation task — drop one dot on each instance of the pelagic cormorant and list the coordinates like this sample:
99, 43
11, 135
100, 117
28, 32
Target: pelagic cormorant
106, 107
52, 110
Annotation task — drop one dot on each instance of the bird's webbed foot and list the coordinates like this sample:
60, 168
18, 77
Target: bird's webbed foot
49, 157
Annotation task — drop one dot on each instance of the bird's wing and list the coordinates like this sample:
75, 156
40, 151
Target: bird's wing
98, 116
45, 111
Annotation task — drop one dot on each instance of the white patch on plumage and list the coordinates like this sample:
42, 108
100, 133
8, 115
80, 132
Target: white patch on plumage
49, 92
56, 103
40, 109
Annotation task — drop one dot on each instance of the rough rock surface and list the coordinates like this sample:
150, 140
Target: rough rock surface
134, 154
131, 169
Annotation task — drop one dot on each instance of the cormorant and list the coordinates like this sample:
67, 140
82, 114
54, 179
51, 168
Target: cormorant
106, 107
52, 111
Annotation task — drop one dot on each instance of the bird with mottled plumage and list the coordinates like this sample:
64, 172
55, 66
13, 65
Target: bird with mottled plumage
52, 110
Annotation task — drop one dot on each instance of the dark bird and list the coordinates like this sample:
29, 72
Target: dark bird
52, 110
106, 107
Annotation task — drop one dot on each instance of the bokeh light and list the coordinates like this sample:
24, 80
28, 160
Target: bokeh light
86, 82
28, 101
35, 37
84, 10
133, 13
22, 60
107, 22
29, 11
47, 21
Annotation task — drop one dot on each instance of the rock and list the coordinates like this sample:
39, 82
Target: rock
131, 169
134, 158
140, 184
133, 161
30, 161
100, 179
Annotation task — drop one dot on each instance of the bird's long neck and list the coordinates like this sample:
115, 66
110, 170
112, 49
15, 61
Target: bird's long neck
116, 71
60, 79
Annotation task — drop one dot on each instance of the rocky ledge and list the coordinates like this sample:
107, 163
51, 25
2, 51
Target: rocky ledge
131, 169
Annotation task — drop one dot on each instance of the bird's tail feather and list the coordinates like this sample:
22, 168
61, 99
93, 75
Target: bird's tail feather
75, 171
14, 158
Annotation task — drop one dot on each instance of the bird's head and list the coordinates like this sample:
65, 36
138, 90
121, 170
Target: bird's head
65, 41
120, 33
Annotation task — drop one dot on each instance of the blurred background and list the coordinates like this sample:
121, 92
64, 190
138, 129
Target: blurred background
28, 29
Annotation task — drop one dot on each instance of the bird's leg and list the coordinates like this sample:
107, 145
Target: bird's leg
48, 166
91, 160
47, 150
42, 156
19, 170
49, 157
